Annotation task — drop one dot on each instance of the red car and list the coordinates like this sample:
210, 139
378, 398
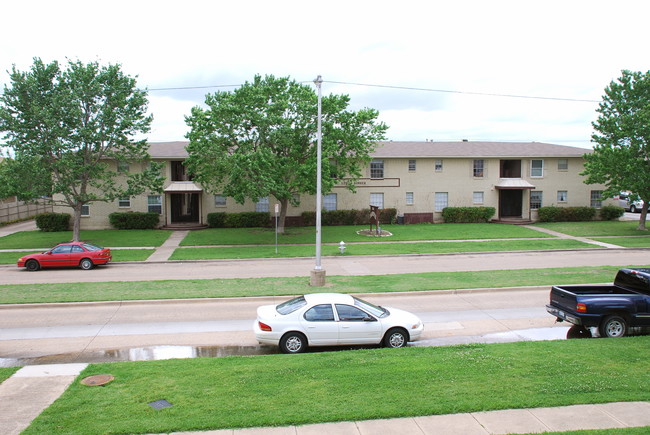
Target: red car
79, 254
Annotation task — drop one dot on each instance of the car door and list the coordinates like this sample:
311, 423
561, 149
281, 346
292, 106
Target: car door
356, 326
76, 254
59, 256
320, 325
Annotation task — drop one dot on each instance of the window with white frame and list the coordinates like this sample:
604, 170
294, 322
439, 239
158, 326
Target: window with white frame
596, 198
478, 168
411, 165
535, 199
563, 164
219, 201
409, 198
562, 196
377, 199
85, 210
262, 204
377, 169
154, 204
537, 168
330, 202
477, 198
124, 202
438, 166
441, 201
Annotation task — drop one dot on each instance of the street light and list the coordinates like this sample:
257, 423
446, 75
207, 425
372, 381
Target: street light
318, 274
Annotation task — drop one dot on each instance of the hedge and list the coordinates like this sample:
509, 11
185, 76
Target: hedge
348, 217
134, 220
239, 220
611, 212
467, 214
566, 214
52, 222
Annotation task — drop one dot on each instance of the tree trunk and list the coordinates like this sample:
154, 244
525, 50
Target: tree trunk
76, 222
644, 215
284, 204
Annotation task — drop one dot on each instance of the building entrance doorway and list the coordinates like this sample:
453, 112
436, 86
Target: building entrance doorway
510, 203
184, 207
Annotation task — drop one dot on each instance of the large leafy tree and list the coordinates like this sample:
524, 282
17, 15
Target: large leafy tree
621, 156
260, 140
67, 130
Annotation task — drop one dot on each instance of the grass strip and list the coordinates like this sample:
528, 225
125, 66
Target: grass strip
279, 390
245, 287
227, 252
108, 238
118, 255
594, 228
628, 242
7, 372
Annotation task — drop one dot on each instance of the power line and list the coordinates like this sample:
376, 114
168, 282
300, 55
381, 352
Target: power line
406, 88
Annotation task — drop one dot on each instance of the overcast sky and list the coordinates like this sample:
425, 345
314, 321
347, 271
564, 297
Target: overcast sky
569, 49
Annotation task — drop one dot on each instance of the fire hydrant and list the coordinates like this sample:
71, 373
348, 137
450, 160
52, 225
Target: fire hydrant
342, 247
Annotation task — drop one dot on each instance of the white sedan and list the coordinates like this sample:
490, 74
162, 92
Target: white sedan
333, 319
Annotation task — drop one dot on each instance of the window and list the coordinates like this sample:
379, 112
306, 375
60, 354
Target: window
154, 204
262, 204
411, 165
478, 168
537, 168
76, 248
219, 201
442, 198
85, 210
535, 199
124, 202
438, 165
563, 164
377, 199
409, 198
320, 313
477, 197
377, 169
62, 249
348, 313
123, 167
329, 202
561, 196
596, 198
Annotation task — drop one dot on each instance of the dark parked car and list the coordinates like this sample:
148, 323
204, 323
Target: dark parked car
83, 255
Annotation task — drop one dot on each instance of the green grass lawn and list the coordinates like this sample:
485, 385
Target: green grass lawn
628, 242
221, 252
595, 228
334, 234
118, 255
106, 238
279, 390
245, 287
6, 372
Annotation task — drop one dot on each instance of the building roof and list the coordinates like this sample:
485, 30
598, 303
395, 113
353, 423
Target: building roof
394, 149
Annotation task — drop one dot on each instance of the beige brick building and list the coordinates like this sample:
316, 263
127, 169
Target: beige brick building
419, 179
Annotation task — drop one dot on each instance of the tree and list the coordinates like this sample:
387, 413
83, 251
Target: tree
69, 129
260, 140
621, 156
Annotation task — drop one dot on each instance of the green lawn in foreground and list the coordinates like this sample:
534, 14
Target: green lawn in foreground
6, 372
244, 287
107, 238
265, 251
334, 234
118, 255
278, 390
595, 228
628, 242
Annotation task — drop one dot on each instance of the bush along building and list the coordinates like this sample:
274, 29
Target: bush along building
412, 182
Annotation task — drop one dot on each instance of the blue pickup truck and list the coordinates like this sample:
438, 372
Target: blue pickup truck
613, 308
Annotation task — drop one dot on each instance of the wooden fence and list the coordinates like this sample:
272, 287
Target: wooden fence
15, 210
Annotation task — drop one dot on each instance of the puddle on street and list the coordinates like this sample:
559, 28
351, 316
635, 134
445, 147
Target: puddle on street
152, 353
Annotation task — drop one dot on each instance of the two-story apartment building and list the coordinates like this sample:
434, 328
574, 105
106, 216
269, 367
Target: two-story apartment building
419, 179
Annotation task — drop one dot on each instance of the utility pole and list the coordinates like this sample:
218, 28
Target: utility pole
318, 274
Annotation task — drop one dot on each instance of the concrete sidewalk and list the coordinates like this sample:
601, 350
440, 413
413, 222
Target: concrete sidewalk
33, 388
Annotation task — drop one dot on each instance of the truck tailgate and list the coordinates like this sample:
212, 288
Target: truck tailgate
563, 299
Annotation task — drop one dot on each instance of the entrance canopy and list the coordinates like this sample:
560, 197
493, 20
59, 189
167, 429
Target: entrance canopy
183, 187
513, 183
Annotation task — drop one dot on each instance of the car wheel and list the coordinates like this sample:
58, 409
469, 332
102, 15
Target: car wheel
613, 326
578, 331
396, 337
32, 265
293, 342
86, 264
632, 209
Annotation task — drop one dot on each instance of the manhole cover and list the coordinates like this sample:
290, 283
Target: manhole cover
160, 404
97, 380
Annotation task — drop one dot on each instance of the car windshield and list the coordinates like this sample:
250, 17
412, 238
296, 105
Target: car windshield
372, 309
291, 305
90, 247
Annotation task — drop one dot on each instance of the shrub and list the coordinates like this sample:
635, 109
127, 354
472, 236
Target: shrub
611, 212
216, 220
349, 217
134, 220
467, 214
566, 214
52, 222
239, 220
